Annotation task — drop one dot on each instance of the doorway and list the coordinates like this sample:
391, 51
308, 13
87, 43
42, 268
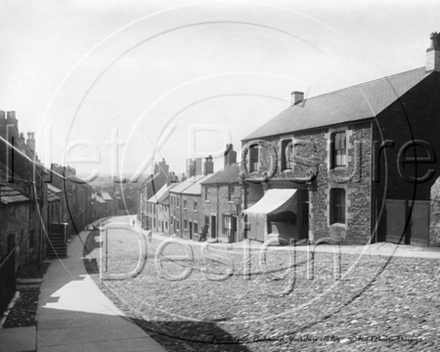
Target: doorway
213, 226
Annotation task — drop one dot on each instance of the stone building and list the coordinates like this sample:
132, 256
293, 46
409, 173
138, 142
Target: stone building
111, 208
75, 198
185, 204
99, 207
158, 210
354, 165
54, 209
23, 198
150, 186
221, 201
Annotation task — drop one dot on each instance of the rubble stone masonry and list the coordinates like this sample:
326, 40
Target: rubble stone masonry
312, 156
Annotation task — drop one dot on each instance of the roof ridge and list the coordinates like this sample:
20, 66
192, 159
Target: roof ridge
365, 83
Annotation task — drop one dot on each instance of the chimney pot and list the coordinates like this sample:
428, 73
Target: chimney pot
230, 155
208, 166
296, 97
433, 54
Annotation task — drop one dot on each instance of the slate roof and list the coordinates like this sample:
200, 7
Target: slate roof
164, 199
76, 179
100, 200
185, 184
53, 188
162, 193
355, 103
229, 174
51, 196
196, 188
106, 196
10, 195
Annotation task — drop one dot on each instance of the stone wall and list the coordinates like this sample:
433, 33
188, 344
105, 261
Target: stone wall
312, 157
190, 214
218, 205
22, 221
434, 232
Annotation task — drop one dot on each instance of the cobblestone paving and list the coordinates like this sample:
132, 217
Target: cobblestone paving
23, 313
272, 302
24, 310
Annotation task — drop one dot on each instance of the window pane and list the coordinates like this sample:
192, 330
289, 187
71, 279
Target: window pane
338, 205
343, 140
337, 141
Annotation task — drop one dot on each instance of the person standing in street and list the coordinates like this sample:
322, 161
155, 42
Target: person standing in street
203, 234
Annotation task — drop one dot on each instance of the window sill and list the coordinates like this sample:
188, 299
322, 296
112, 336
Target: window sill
207, 201
338, 225
340, 168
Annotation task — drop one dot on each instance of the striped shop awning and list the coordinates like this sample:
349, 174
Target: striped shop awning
275, 201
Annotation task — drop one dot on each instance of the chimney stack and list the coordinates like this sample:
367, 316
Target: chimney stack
433, 54
209, 166
296, 97
31, 142
230, 155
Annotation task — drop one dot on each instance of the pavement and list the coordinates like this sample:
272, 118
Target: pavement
74, 315
381, 248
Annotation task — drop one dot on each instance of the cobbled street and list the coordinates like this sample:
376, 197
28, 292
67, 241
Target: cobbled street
229, 299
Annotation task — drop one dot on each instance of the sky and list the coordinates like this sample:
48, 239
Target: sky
109, 86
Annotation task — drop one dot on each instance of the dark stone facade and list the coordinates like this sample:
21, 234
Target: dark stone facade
312, 156
218, 205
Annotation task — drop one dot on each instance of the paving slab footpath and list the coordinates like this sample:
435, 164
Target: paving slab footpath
74, 315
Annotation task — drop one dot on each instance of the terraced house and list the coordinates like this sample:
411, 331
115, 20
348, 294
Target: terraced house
221, 200
23, 206
158, 209
150, 186
353, 165
185, 204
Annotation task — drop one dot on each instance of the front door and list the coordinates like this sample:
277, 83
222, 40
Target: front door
213, 226
190, 230
232, 235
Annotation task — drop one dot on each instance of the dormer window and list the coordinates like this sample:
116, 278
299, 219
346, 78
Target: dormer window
339, 149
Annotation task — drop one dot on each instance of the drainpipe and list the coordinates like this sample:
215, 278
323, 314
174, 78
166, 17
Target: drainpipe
373, 205
245, 206
218, 210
